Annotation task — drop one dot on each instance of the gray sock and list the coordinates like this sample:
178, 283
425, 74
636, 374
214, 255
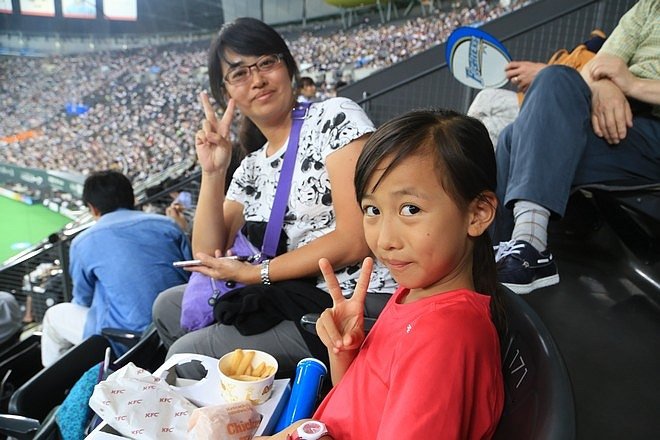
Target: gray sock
531, 224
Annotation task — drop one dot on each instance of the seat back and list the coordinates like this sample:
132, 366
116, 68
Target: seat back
633, 213
47, 389
37, 399
148, 353
18, 363
10, 341
538, 394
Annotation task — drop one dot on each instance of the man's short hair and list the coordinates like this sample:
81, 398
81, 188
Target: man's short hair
108, 191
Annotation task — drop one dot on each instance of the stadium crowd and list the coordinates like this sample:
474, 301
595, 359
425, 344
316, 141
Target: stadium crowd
135, 114
137, 104
380, 46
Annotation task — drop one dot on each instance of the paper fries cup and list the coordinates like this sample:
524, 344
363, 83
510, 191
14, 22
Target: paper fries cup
241, 380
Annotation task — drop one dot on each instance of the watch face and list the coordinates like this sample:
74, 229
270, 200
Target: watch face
311, 430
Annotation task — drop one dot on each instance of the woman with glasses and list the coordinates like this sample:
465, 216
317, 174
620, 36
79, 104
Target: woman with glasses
252, 70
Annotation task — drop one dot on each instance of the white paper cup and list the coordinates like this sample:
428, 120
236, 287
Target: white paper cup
256, 391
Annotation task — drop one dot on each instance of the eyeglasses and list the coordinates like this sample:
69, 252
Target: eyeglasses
240, 74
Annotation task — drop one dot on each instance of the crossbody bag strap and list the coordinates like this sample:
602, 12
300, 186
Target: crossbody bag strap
276, 220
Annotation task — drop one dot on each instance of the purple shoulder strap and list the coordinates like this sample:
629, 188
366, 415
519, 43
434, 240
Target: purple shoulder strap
276, 220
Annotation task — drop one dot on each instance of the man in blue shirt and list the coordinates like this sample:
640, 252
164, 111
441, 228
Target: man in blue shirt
118, 266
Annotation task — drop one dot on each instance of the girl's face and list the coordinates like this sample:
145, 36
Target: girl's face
417, 230
264, 95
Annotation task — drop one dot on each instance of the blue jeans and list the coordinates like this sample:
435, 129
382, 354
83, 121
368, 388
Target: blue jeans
551, 147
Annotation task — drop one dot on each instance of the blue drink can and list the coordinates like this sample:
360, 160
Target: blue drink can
304, 393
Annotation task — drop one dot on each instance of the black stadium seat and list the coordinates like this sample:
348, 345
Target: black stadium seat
538, 393
633, 213
33, 405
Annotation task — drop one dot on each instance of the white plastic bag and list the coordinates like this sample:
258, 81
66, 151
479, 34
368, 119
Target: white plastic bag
141, 406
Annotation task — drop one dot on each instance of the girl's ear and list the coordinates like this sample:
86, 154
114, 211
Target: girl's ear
482, 213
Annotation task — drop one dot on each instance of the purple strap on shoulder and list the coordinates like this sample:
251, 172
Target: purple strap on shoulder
276, 220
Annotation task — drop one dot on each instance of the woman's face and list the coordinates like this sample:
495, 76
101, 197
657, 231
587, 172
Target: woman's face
265, 95
416, 229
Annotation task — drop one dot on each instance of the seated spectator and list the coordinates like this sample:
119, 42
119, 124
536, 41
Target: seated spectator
600, 126
307, 90
497, 108
248, 59
117, 266
180, 210
183, 198
430, 368
10, 316
177, 212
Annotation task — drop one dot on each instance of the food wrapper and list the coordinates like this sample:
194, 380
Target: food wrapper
141, 406
231, 421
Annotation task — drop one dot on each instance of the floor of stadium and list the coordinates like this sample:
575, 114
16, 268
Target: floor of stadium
608, 331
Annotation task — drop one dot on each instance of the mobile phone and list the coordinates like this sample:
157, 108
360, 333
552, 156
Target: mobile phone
187, 263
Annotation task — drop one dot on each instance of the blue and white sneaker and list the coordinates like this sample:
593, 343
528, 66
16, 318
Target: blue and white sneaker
522, 268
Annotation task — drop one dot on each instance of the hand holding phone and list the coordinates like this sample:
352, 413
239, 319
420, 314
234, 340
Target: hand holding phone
187, 263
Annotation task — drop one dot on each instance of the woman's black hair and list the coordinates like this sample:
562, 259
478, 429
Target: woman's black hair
465, 164
252, 37
108, 191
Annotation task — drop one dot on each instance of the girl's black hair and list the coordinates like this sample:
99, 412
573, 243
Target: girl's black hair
465, 163
252, 37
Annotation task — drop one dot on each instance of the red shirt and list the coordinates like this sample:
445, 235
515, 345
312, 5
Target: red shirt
428, 369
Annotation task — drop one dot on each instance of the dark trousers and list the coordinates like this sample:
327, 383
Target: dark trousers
551, 148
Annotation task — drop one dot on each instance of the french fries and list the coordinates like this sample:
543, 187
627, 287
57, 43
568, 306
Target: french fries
240, 367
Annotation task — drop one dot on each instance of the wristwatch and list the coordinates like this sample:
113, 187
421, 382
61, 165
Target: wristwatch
265, 278
310, 430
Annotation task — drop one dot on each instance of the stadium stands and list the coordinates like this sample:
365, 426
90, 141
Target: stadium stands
140, 109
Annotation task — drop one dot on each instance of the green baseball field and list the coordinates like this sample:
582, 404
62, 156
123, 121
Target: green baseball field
23, 225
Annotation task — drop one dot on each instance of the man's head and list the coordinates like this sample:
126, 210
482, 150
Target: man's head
107, 191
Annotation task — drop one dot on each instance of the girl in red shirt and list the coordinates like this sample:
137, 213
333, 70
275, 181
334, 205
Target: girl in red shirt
431, 366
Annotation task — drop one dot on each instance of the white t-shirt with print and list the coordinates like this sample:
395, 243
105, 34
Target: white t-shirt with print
328, 126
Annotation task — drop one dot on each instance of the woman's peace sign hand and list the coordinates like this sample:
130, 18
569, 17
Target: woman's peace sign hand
341, 328
212, 141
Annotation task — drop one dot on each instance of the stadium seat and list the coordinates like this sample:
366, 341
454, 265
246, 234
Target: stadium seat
18, 363
34, 405
37, 397
148, 352
633, 213
11, 341
538, 393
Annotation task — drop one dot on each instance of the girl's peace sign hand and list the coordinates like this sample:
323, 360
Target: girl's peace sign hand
212, 141
341, 328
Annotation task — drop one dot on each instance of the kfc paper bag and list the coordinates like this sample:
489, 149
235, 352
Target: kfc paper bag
141, 406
